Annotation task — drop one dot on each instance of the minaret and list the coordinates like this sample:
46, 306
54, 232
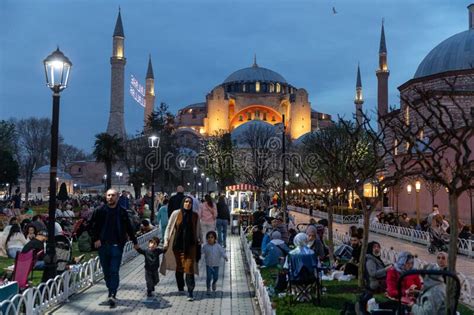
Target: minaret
116, 124
359, 100
149, 93
382, 78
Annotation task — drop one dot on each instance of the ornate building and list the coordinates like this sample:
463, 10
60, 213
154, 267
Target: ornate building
249, 94
447, 74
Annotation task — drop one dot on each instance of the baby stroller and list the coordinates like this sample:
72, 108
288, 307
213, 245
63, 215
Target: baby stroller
63, 252
438, 241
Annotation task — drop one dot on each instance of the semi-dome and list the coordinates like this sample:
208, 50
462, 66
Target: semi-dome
253, 74
455, 53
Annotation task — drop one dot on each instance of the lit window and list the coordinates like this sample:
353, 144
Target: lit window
272, 88
407, 115
278, 88
273, 118
257, 86
422, 134
395, 144
241, 118
249, 116
244, 87
264, 116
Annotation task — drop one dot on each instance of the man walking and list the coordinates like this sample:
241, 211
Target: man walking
110, 227
176, 201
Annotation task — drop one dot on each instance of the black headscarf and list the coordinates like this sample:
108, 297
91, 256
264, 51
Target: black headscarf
185, 238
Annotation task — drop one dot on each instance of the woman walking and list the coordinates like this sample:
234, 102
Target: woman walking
223, 218
182, 239
208, 216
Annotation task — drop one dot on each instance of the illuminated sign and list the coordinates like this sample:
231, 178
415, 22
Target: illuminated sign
137, 91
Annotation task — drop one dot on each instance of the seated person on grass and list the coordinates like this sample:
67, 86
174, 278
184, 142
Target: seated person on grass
352, 266
410, 284
432, 299
15, 241
37, 245
376, 269
274, 250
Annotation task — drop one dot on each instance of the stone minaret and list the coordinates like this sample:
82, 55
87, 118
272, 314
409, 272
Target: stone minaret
359, 100
382, 78
149, 93
116, 124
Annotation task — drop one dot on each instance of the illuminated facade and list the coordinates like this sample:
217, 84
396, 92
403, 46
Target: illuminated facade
249, 94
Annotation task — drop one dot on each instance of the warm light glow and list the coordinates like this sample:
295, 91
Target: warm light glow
409, 188
315, 190
297, 175
195, 170
417, 186
278, 88
287, 182
338, 189
257, 86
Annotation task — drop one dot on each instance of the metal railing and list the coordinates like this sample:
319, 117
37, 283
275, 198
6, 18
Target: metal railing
263, 298
39, 299
389, 256
341, 219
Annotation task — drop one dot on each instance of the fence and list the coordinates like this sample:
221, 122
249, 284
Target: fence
261, 292
38, 300
465, 247
342, 219
389, 256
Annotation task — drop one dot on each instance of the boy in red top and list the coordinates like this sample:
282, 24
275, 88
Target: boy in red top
410, 284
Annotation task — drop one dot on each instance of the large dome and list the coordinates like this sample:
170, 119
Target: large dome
455, 53
253, 74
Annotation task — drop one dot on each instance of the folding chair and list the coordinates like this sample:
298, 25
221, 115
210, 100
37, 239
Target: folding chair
22, 269
303, 278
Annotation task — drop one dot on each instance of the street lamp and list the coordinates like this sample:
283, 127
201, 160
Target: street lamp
182, 165
417, 202
153, 144
195, 171
409, 188
119, 175
207, 184
202, 186
56, 67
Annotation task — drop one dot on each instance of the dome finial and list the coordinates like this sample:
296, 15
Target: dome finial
255, 60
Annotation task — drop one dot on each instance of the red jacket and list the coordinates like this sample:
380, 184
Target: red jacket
392, 280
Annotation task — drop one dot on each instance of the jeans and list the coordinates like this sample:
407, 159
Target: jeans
212, 273
12, 251
110, 257
221, 226
151, 278
190, 282
206, 227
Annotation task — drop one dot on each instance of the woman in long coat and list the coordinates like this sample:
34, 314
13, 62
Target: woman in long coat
182, 237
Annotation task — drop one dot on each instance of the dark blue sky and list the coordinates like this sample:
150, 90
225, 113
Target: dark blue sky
196, 44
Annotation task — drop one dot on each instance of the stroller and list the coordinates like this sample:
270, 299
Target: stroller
438, 241
63, 252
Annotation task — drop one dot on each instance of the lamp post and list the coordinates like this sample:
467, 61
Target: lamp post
417, 189
207, 184
153, 144
182, 165
57, 67
202, 186
105, 182
195, 171
119, 175
409, 189
283, 188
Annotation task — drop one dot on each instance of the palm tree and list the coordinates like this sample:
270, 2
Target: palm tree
108, 149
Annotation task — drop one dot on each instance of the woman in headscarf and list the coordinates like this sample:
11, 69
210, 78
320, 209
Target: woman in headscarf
411, 283
315, 242
376, 269
301, 245
433, 297
182, 237
274, 250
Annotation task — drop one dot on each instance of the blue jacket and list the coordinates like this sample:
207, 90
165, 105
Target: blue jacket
274, 250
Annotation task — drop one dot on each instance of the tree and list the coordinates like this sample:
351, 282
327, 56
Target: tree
108, 149
9, 137
69, 153
218, 153
432, 187
34, 142
63, 195
9, 169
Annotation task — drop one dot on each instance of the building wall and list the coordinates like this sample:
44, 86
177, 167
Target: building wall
300, 115
217, 111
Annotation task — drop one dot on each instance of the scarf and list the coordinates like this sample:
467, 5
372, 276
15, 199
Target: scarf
185, 238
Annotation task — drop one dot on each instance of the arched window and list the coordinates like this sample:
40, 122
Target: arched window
241, 118
244, 87
249, 116
272, 88
257, 86
278, 88
265, 116
395, 149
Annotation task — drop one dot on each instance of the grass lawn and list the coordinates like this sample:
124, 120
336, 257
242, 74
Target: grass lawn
332, 302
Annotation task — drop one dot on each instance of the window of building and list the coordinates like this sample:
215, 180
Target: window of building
273, 118
241, 118
244, 87
249, 116
264, 116
79, 169
395, 145
257, 114
257, 86
407, 115
278, 88
272, 87
39, 190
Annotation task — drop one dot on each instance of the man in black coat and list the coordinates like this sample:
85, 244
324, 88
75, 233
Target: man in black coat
176, 201
110, 227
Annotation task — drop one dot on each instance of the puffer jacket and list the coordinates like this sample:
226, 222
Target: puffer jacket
376, 273
432, 299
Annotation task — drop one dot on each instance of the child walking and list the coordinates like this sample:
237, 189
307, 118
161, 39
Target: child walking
213, 252
152, 264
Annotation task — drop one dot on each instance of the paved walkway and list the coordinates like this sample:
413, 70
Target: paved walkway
234, 295
465, 264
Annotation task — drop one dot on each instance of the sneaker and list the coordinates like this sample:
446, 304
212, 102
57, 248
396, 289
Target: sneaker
112, 302
190, 297
213, 286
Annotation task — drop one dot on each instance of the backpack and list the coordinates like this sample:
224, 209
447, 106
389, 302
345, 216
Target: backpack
84, 242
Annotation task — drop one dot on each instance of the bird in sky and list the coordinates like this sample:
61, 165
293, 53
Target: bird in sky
334, 10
